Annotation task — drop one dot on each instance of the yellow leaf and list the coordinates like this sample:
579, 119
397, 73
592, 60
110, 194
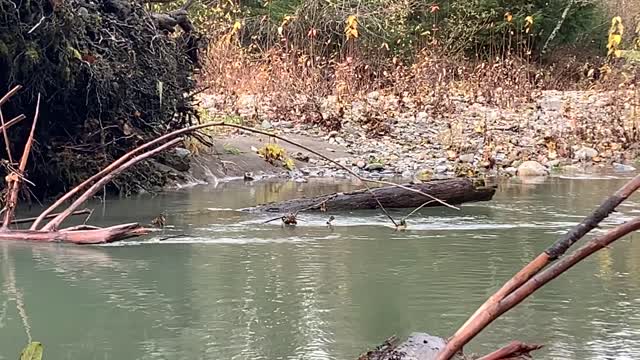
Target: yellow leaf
508, 17
236, 26
289, 164
351, 27
528, 24
75, 53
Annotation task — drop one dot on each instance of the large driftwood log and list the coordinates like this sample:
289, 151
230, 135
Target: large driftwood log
78, 235
452, 191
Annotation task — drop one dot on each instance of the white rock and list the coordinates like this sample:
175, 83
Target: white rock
585, 153
531, 168
441, 169
467, 158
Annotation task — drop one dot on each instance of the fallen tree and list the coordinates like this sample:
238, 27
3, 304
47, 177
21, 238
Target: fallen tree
451, 191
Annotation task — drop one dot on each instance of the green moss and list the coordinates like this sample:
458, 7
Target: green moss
4, 51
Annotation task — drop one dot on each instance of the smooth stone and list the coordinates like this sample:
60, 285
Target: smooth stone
467, 158
441, 169
623, 167
531, 168
585, 153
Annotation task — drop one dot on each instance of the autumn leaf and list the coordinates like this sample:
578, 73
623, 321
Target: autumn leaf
289, 164
508, 16
615, 36
435, 8
528, 24
351, 28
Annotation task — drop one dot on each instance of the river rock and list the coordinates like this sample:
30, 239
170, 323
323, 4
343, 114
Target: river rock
585, 153
441, 169
553, 163
182, 152
266, 124
623, 167
511, 170
374, 167
466, 158
531, 168
361, 164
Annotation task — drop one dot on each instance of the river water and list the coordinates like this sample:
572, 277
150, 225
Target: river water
220, 284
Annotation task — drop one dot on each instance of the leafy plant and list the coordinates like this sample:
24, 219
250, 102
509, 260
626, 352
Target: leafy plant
33, 351
274, 154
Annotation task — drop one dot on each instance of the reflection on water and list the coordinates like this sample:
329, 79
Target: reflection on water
221, 284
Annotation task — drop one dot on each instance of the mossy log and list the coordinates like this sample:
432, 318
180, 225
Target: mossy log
451, 191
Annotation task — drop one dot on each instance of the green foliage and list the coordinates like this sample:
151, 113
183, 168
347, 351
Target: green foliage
274, 153
391, 28
33, 351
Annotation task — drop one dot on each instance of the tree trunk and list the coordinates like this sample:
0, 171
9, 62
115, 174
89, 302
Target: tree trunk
453, 191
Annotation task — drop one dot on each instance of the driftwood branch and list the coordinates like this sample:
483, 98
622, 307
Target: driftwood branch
10, 94
54, 224
93, 236
51, 216
13, 179
11, 122
484, 315
514, 350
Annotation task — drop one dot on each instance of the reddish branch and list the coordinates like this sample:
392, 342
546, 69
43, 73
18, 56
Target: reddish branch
525, 278
55, 223
515, 349
14, 178
11, 122
51, 216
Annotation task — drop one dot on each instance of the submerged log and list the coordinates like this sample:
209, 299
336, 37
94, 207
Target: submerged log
452, 191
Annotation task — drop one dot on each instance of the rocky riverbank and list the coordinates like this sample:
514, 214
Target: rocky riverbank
385, 135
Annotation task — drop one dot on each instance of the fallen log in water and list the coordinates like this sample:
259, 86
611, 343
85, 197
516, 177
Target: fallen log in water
452, 191
79, 235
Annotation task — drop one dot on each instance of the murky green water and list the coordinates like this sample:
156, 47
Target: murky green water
233, 288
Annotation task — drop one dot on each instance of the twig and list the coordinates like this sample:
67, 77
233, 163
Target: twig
479, 319
55, 223
417, 209
11, 122
7, 144
88, 216
8, 95
511, 351
36, 25
50, 216
14, 181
